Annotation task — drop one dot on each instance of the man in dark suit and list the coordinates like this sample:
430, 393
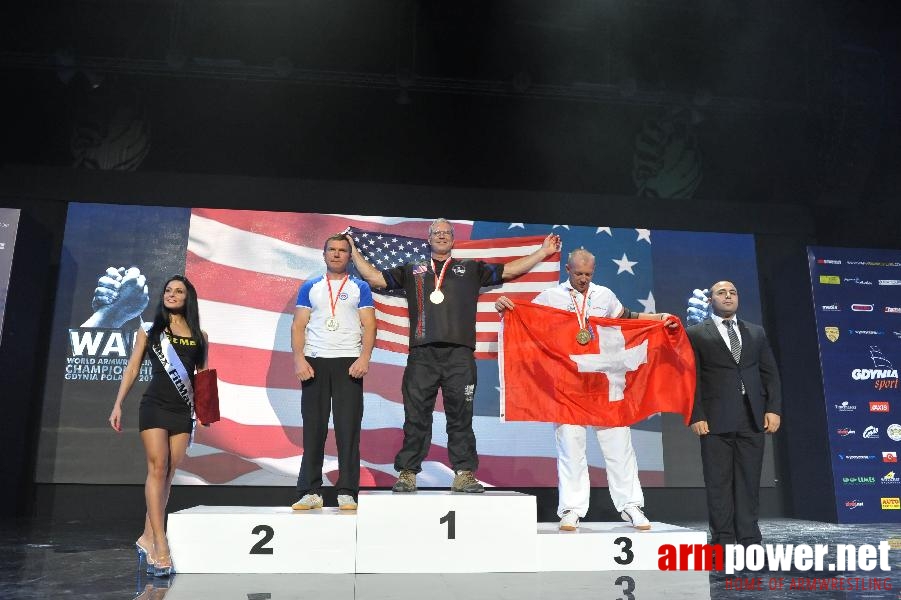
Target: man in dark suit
738, 398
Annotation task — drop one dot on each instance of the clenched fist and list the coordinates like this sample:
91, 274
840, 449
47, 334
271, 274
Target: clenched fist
121, 295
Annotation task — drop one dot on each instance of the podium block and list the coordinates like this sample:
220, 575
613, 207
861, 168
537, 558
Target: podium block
444, 532
273, 539
608, 546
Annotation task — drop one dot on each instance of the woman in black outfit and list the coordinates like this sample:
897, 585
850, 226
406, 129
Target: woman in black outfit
165, 417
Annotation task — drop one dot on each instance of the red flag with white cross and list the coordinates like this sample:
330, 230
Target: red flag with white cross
628, 370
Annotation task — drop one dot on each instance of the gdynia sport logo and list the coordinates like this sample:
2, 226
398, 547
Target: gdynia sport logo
794, 558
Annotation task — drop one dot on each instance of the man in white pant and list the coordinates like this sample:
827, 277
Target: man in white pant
582, 297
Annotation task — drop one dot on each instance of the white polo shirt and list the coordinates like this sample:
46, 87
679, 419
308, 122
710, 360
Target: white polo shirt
347, 340
602, 302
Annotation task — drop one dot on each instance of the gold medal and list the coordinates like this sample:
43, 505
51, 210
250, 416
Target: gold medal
583, 337
332, 324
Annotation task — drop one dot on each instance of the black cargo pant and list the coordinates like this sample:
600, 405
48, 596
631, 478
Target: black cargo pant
451, 368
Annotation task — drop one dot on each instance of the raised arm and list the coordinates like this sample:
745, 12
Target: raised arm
517, 267
370, 274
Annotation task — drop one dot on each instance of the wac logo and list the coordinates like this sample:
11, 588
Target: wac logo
832, 333
830, 279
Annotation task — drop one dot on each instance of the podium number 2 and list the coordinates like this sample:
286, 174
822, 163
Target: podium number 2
450, 520
260, 547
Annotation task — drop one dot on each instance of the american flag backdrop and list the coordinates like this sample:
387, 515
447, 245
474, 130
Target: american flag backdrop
247, 267
390, 250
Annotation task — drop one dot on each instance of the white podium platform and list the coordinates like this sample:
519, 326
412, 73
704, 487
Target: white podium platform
249, 539
423, 532
608, 546
444, 532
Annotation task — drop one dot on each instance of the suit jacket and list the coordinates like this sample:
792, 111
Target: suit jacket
718, 398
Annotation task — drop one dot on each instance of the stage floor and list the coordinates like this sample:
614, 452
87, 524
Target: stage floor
96, 560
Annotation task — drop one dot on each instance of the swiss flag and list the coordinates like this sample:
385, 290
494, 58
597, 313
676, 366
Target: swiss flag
629, 370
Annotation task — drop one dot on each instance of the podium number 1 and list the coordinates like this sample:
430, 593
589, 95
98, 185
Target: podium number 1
450, 520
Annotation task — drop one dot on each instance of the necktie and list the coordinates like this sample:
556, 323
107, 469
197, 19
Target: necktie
734, 344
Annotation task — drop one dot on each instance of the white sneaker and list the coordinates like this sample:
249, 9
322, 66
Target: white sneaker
569, 521
308, 502
634, 515
346, 502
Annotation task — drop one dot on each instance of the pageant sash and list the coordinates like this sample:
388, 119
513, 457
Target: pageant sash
174, 368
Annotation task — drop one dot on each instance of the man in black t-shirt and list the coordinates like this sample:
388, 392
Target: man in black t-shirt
442, 293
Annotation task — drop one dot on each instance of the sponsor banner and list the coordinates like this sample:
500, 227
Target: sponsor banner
857, 300
9, 225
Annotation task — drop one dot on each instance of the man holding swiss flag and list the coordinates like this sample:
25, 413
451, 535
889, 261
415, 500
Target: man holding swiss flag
577, 357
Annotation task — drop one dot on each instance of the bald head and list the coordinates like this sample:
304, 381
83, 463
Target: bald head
724, 299
580, 266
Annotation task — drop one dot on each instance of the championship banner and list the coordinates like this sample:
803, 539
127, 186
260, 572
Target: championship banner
628, 370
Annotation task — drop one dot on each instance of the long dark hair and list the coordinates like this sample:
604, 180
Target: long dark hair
191, 313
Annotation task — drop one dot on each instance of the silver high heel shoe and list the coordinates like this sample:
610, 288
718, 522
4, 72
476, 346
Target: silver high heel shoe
166, 571
144, 558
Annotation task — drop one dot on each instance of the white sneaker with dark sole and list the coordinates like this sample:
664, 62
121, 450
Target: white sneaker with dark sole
635, 516
569, 521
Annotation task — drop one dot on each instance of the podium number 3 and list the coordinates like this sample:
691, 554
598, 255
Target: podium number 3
625, 552
260, 547
451, 521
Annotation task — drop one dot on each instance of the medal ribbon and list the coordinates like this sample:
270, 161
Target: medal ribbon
333, 300
439, 279
581, 315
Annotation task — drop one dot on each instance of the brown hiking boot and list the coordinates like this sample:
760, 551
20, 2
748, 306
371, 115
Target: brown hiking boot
466, 482
406, 482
